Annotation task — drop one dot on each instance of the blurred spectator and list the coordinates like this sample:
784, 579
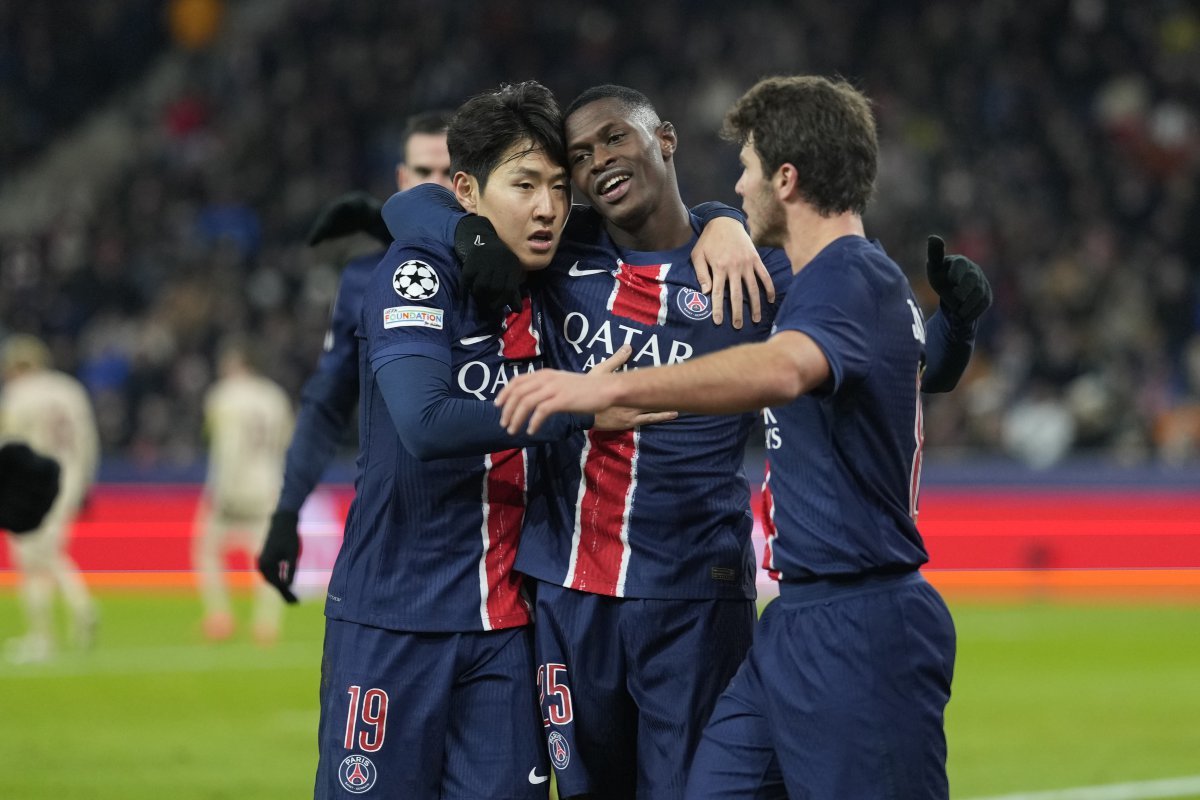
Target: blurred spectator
1177, 428
194, 24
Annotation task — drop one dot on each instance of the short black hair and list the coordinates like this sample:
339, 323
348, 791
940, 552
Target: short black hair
632, 99
488, 124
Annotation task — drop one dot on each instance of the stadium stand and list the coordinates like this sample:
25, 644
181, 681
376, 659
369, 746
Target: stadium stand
1055, 143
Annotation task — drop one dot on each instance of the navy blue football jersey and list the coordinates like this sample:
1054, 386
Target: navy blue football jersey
429, 546
661, 511
845, 460
328, 398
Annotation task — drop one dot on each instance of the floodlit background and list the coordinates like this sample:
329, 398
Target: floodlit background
161, 161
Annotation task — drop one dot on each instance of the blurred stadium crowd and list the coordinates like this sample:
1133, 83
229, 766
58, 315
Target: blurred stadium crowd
1057, 143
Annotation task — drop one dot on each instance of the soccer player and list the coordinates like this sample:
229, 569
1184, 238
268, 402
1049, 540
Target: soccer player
844, 690
50, 412
644, 541
248, 419
427, 686
328, 398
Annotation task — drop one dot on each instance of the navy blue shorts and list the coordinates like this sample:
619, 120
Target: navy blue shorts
842, 695
429, 715
627, 686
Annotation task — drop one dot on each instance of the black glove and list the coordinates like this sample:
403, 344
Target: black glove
28, 486
277, 561
353, 212
959, 282
490, 271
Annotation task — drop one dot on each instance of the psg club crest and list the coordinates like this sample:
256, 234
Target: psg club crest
560, 752
693, 304
357, 774
415, 280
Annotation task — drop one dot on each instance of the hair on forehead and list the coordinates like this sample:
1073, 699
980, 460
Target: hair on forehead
485, 128
519, 150
632, 100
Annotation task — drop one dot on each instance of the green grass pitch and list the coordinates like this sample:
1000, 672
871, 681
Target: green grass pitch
1046, 695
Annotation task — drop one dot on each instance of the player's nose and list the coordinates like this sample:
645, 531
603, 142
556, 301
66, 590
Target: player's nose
602, 157
545, 208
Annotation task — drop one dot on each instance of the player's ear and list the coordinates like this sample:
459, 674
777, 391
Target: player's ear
668, 139
466, 189
786, 181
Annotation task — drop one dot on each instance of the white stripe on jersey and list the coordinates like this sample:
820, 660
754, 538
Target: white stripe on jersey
612, 298
772, 537
483, 530
578, 532
662, 303
914, 476
625, 550
774, 540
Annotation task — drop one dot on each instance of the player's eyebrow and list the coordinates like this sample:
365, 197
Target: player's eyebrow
531, 172
583, 141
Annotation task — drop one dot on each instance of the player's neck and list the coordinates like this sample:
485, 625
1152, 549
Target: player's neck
809, 233
664, 228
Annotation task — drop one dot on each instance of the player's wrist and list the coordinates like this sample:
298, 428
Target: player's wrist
960, 326
614, 390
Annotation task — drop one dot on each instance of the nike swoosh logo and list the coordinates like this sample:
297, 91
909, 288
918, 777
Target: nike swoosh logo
478, 241
534, 778
467, 341
576, 272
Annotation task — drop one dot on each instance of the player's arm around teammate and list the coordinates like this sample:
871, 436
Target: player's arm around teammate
724, 257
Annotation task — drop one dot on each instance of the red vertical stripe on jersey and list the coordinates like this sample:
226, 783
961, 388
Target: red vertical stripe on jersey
639, 293
601, 525
520, 339
504, 510
767, 516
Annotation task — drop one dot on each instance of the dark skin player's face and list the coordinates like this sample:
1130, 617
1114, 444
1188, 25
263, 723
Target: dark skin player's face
618, 160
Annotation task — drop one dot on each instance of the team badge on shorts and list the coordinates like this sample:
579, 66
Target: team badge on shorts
415, 280
357, 774
693, 304
560, 751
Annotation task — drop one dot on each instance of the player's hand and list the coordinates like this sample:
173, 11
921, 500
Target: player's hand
353, 212
490, 271
534, 396
277, 561
28, 486
725, 257
623, 418
959, 282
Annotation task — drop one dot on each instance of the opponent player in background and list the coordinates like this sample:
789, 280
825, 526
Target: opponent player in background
328, 398
50, 412
248, 419
644, 542
427, 686
844, 690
